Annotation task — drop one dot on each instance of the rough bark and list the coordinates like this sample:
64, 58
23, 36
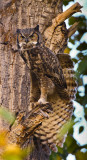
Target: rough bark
14, 75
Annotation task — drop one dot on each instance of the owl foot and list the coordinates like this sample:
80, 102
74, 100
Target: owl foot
46, 107
42, 101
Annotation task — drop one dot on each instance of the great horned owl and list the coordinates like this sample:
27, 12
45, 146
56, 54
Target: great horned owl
52, 80
42, 62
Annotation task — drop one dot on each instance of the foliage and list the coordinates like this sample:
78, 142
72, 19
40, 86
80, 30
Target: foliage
81, 57
65, 2
9, 117
71, 146
10, 151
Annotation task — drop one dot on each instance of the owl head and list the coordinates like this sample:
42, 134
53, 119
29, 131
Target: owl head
28, 38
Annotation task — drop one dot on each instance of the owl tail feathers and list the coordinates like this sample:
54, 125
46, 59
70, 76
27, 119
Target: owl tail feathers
51, 127
47, 149
52, 147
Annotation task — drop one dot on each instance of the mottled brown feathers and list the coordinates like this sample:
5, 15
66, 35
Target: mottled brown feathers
52, 80
42, 62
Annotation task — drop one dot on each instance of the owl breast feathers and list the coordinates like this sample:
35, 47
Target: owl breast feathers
48, 70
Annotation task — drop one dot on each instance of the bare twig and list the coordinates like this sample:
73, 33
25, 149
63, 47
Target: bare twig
73, 29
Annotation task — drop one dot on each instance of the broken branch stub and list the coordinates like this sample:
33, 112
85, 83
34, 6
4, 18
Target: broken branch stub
65, 15
61, 18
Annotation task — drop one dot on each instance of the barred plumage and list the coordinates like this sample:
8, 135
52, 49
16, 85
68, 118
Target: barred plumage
54, 76
61, 111
69, 74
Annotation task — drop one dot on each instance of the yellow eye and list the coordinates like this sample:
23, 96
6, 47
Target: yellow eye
22, 36
34, 36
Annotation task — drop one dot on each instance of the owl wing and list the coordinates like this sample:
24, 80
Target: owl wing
62, 112
52, 68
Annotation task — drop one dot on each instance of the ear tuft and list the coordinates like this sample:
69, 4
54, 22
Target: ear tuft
37, 28
18, 31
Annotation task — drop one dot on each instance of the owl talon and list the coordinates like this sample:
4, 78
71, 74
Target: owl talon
49, 111
44, 114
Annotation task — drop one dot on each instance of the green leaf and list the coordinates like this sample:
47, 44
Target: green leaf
60, 150
81, 156
82, 25
75, 60
82, 67
80, 55
55, 156
82, 46
72, 20
66, 127
81, 129
71, 144
86, 89
81, 100
65, 2
4, 113
14, 152
85, 110
72, 40
11, 157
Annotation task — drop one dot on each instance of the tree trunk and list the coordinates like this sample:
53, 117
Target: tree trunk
14, 75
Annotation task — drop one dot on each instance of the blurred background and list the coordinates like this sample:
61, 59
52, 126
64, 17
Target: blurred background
75, 146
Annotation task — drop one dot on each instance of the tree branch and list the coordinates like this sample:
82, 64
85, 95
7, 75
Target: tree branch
65, 15
25, 125
73, 29
61, 18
